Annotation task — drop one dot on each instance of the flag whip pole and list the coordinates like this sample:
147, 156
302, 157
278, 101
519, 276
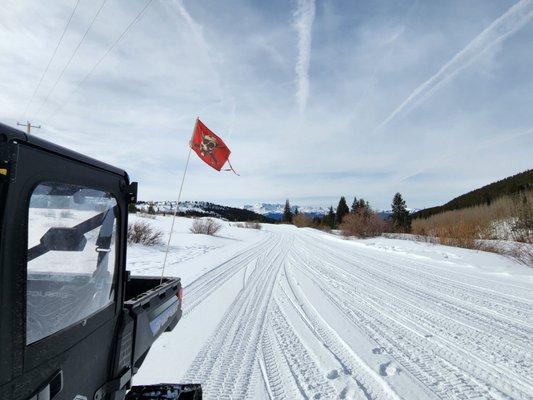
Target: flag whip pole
177, 206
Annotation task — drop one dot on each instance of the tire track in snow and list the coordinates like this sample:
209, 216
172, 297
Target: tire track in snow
459, 336
225, 365
201, 288
369, 384
383, 323
431, 268
510, 358
471, 314
465, 290
508, 345
433, 371
309, 379
270, 368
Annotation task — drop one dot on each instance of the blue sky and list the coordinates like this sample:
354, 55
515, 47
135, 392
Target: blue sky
316, 99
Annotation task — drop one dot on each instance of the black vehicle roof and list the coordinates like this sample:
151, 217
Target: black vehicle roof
15, 134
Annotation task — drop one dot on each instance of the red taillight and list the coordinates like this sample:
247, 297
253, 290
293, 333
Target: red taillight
180, 294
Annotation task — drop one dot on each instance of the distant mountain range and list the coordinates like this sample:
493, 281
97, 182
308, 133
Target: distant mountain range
275, 211
263, 212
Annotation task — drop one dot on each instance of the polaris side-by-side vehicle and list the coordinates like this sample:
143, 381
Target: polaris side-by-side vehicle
74, 325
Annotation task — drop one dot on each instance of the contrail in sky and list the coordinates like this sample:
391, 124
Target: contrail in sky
504, 26
304, 16
226, 98
193, 25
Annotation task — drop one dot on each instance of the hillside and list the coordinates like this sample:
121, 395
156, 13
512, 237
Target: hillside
484, 195
203, 209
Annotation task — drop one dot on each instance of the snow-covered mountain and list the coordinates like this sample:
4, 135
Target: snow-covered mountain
386, 214
275, 210
169, 206
201, 209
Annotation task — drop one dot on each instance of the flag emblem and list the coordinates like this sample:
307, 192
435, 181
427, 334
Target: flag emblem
209, 147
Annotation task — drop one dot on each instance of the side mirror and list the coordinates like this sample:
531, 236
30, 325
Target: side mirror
64, 239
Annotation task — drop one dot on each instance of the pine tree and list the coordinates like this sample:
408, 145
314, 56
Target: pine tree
362, 206
287, 213
342, 210
355, 206
401, 219
296, 211
329, 218
368, 209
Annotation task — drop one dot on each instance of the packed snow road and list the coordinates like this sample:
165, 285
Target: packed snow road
303, 314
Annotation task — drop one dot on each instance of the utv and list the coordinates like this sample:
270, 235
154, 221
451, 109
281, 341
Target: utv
74, 325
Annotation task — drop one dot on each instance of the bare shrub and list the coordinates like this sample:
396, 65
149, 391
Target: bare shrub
523, 253
205, 226
508, 218
144, 233
409, 236
363, 225
252, 225
302, 221
248, 225
323, 227
522, 224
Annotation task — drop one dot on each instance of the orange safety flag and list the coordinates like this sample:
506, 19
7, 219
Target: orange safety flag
209, 147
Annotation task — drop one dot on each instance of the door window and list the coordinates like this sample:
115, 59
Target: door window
71, 256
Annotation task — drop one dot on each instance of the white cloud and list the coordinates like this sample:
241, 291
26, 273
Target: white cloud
304, 16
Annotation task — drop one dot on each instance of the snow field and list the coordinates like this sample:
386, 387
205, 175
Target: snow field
288, 313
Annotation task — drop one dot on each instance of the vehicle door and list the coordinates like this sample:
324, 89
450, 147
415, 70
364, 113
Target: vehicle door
63, 247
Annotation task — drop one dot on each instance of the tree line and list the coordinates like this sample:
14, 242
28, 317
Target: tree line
358, 220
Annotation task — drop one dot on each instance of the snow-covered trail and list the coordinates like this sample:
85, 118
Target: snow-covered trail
303, 314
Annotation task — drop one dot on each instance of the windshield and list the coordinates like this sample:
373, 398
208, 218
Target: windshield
71, 256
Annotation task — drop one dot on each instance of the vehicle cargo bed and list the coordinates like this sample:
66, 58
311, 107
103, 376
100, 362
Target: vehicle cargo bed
154, 308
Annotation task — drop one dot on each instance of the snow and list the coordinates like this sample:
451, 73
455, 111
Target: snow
275, 210
189, 255
287, 313
170, 206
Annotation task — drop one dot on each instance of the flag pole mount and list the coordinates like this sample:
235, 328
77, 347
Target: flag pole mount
214, 152
177, 207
